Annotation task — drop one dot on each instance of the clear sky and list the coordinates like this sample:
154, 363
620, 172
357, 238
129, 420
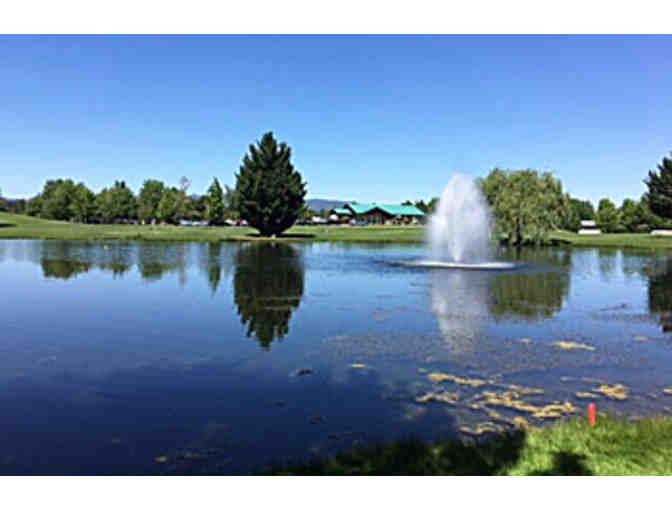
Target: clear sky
369, 118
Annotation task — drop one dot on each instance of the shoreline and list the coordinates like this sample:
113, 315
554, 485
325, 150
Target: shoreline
615, 446
19, 227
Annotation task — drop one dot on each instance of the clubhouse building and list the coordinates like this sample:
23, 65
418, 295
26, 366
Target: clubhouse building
378, 214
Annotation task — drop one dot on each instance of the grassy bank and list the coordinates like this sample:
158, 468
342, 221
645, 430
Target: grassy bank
613, 447
13, 226
26, 227
639, 241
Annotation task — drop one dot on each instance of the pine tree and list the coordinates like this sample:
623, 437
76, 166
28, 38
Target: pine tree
214, 204
660, 189
269, 194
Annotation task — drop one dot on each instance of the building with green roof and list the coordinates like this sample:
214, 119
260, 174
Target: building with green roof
383, 213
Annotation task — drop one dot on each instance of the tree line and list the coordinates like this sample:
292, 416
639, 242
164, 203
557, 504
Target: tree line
269, 195
526, 206
62, 199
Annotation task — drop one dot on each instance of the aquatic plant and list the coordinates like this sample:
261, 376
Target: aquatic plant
613, 391
573, 346
438, 377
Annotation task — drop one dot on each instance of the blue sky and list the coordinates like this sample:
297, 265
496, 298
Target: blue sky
369, 118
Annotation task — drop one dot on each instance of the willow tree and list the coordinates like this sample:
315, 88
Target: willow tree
269, 194
525, 206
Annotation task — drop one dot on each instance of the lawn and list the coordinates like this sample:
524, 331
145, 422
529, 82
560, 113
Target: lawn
613, 447
640, 241
14, 226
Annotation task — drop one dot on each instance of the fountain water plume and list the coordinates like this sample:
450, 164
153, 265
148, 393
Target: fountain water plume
459, 230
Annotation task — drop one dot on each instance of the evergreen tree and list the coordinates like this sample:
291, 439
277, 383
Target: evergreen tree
269, 194
660, 189
214, 204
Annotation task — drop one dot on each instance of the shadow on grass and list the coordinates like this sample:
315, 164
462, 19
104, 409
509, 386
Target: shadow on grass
491, 456
565, 464
3, 225
283, 236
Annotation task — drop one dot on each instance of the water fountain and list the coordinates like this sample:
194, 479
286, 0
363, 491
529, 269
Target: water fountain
458, 233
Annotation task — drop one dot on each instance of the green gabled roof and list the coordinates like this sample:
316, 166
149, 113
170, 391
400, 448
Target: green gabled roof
342, 212
393, 210
401, 210
361, 208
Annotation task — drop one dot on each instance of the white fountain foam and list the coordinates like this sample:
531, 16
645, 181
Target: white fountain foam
459, 230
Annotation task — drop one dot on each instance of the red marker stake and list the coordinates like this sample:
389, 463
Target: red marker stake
591, 415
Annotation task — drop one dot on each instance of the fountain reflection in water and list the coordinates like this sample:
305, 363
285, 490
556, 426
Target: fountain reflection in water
460, 303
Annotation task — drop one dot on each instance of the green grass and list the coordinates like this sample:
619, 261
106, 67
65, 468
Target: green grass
639, 241
613, 447
13, 226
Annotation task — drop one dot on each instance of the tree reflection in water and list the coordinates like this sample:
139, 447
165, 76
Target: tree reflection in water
463, 299
533, 294
660, 292
268, 285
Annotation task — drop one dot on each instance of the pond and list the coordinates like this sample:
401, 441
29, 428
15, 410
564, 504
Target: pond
148, 358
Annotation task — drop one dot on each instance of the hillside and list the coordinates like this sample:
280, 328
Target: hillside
317, 204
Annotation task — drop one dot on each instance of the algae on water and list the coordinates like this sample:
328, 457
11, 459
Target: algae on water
573, 346
512, 400
443, 396
586, 394
438, 377
613, 391
482, 428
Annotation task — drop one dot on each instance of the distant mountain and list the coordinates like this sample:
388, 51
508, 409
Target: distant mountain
317, 204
